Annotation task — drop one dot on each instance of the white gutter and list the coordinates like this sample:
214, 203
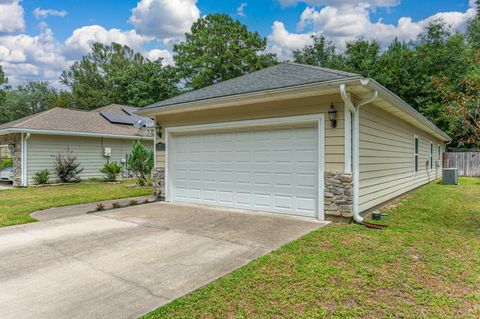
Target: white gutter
355, 109
74, 133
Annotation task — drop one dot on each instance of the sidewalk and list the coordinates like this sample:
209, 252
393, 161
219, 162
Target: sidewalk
81, 209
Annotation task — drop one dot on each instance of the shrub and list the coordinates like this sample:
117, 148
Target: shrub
41, 177
141, 182
111, 171
116, 205
6, 162
140, 161
133, 202
67, 166
100, 207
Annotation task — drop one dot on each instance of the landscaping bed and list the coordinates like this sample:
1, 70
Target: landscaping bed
425, 264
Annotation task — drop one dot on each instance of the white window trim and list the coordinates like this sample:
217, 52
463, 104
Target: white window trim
439, 156
416, 155
317, 119
431, 157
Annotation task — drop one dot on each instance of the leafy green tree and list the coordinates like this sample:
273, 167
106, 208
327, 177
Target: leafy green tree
461, 106
320, 53
27, 99
473, 30
116, 74
362, 56
3, 81
217, 49
140, 161
439, 54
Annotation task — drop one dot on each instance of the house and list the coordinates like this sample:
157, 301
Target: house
293, 139
96, 137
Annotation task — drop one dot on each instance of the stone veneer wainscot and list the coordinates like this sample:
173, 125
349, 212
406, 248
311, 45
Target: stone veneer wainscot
338, 195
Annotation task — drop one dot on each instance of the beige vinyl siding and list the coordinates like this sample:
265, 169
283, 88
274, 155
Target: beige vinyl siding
89, 150
334, 138
387, 157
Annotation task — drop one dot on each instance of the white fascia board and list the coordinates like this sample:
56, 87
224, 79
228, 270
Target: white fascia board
73, 133
246, 98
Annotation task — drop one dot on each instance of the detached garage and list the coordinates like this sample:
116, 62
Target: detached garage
292, 139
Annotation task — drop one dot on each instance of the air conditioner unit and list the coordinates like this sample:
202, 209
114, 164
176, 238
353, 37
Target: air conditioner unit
450, 176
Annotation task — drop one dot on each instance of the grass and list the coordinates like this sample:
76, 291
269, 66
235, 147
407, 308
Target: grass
425, 264
17, 204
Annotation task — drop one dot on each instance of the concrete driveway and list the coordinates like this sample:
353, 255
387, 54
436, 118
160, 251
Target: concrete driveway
124, 263
5, 185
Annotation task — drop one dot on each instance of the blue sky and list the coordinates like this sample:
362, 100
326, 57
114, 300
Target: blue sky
38, 39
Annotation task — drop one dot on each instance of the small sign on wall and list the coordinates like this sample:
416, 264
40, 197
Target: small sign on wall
160, 146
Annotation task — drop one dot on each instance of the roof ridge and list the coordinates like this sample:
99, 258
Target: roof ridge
322, 68
35, 116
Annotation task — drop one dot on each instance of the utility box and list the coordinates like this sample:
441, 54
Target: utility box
450, 176
107, 152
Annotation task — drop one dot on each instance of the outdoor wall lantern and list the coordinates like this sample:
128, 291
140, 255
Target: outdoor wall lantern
332, 114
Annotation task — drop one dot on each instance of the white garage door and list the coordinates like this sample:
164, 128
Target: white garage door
273, 170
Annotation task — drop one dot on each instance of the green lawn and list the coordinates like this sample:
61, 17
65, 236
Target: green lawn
17, 204
425, 264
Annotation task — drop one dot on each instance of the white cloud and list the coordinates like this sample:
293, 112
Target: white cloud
11, 16
155, 54
282, 42
25, 57
341, 3
82, 39
342, 22
164, 19
241, 9
43, 13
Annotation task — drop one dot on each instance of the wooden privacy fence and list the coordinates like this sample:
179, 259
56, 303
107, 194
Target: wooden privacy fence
468, 163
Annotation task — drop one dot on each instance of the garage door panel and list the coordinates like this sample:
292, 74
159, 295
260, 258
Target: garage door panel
270, 170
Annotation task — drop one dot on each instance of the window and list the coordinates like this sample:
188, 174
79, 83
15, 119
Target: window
431, 155
439, 156
415, 154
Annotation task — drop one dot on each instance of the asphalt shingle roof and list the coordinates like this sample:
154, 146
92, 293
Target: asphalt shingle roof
282, 75
61, 119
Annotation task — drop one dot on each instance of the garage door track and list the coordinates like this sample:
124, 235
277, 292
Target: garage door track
126, 262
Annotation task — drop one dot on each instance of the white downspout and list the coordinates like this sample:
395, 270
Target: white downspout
355, 109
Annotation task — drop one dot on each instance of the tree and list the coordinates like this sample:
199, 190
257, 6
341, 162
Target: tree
116, 74
3, 81
461, 106
27, 99
217, 49
140, 161
320, 53
473, 30
362, 56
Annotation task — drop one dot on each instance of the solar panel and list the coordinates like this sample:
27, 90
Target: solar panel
118, 119
127, 119
128, 111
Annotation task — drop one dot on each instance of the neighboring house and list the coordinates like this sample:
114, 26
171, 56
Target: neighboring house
264, 141
96, 137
